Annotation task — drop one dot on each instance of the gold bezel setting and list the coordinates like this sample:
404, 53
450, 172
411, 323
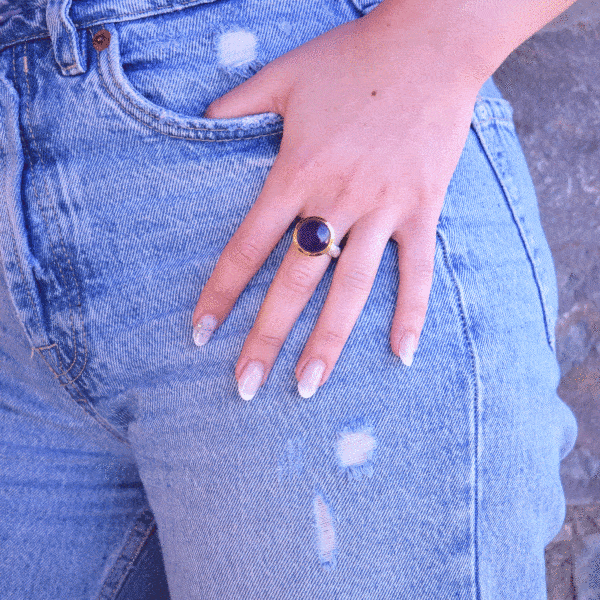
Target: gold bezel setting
329, 244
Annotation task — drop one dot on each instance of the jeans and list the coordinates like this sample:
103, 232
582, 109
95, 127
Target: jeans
130, 466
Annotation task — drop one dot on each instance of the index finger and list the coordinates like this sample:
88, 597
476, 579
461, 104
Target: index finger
244, 254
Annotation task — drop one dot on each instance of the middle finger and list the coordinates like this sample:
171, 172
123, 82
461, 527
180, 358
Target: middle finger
292, 287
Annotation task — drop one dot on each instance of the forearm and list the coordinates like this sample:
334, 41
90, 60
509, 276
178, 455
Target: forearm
477, 34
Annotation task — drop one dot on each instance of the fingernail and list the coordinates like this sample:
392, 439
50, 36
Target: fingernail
250, 379
407, 347
204, 329
309, 382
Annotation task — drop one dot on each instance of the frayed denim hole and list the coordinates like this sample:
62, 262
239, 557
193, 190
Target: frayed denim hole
236, 52
355, 447
325, 532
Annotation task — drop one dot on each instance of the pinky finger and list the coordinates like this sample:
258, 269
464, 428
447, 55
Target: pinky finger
416, 253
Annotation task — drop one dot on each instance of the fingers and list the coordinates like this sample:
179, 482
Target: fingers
259, 94
243, 256
352, 282
416, 254
289, 293
298, 277
292, 287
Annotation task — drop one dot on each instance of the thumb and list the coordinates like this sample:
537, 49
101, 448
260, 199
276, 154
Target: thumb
260, 94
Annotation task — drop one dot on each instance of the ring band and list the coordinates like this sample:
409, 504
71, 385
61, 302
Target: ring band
315, 236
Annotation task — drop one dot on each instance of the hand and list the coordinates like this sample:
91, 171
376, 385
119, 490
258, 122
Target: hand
374, 125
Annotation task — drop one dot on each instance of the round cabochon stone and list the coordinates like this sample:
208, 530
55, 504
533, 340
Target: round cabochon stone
313, 235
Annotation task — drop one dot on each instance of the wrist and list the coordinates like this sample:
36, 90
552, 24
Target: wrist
475, 37
439, 42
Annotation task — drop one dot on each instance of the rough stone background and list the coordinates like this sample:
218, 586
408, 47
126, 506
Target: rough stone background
553, 83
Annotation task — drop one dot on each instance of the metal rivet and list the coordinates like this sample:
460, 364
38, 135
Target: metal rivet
101, 40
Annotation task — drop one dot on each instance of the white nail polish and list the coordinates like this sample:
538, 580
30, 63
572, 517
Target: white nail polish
204, 329
406, 349
311, 375
250, 379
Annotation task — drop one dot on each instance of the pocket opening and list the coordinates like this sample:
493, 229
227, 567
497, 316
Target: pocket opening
169, 122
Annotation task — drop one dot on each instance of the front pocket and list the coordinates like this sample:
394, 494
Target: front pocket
494, 125
167, 121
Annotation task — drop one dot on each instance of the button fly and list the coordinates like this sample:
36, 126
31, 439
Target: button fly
101, 40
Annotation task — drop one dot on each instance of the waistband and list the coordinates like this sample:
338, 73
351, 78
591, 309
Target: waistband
23, 20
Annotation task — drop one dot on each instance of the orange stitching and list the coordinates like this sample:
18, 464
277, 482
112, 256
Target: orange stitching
50, 367
78, 374
60, 362
46, 347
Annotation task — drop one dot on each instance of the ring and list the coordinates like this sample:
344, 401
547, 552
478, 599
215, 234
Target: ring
314, 236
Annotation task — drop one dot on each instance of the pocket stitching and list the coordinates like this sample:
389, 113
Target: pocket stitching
110, 74
535, 267
74, 321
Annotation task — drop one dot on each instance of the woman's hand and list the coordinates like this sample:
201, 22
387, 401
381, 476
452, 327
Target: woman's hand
374, 125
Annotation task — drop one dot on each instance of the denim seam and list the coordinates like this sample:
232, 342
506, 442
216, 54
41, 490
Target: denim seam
84, 25
524, 241
14, 240
82, 402
57, 353
114, 81
495, 120
476, 407
180, 137
25, 283
56, 261
37, 316
33, 185
110, 590
88, 408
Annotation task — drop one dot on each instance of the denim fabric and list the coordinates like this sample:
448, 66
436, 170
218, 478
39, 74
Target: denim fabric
123, 444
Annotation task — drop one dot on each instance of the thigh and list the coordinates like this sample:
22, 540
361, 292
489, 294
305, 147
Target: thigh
75, 517
438, 479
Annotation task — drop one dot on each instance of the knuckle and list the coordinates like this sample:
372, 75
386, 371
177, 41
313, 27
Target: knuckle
307, 161
423, 269
299, 279
383, 191
432, 190
218, 290
330, 338
269, 340
357, 279
245, 254
298, 167
418, 222
218, 297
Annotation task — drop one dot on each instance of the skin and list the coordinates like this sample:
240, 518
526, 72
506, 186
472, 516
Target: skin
369, 144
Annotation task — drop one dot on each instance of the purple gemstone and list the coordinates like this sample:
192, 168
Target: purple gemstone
313, 235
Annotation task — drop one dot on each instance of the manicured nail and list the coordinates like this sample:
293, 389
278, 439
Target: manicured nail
204, 329
250, 379
407, 347
311, 375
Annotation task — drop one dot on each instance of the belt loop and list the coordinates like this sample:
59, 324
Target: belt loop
65, 40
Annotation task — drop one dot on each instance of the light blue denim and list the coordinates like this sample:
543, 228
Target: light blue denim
124, 445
